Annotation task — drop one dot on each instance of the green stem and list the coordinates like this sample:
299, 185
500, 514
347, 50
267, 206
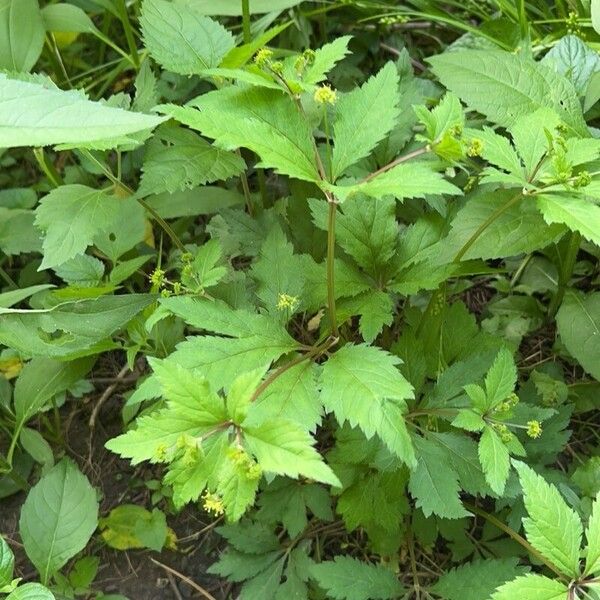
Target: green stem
327, 141
331, 266
47, 167
565, 273
133, 51
246, 21
515, 536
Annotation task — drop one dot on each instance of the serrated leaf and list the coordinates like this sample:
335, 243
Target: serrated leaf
531, 587
192, 409
234, 9
70, 217
263, 120
325, 58
32, 114
178, 159
478, 579
434, 482
21, 34
363, 117
578, 321
494, 459
237, 490
501, 379
505, 86
58, 518
362, 385
552, 527
254, 340
181, 39
576, 213
346, 578
406, 180
592, 535
284, 448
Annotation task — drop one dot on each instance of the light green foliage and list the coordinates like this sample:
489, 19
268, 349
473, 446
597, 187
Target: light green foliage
31, 591
181, 39
58, 518
494, 458
34, 114
552, 527
21, 34
363, 117
592, 535
177, 159
7, 564
505, 86
346, 578
362, 385
266, 121
531, 587
325, 59
70, 217
578, 323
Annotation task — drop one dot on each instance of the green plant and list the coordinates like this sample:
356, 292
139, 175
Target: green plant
297, 258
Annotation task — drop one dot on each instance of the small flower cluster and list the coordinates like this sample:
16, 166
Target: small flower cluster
507, 405
534, 429
213, 503
287, 302
242, 460
263, 59
325, 95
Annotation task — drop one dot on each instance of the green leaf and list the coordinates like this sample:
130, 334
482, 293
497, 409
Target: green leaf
406, 180
501, 379
181, 39
21, 35
130, 526
578, 323
284, 448
363, 118
494, 458
71, 329
478, 579
254, 340
326, 57
346, 578
43, 378
505, 86
553, 528
33, 114
362, 385
7, 564
233, 8
31, 591
8, 299
265, 121
576, 213
65, 17
178, 159
531, 587
82, 270
595, 10
592, 535
237, 488
58, 518
434, 482
192, 409
70, 217
240, 393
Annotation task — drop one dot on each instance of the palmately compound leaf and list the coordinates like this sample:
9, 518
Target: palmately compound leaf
192, 409
181, 38
553, 528
284, 448
178, 159
346, 578
504, 86
264, 120
58, 518
576, 213
31, 591
362, 385
252, 340
494, 459
70, 217
7, 563
592, 535
363, 117
478, 579
578, 323
32, 114
531, 587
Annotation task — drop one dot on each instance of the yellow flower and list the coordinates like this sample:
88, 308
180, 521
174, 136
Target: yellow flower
213, 503
158, 277
325, 95
475, 148
263, 56
285, 301
534, 429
